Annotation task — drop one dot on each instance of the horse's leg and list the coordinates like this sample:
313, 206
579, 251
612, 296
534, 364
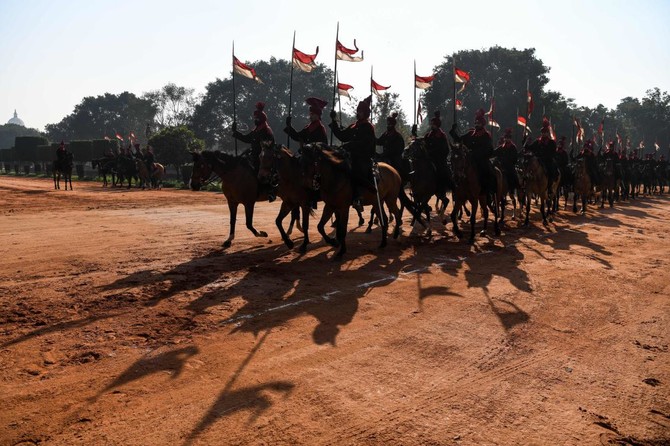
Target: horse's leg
372, 219
232, 208
342, 220
55, 185
395, 211
429, 230
543, 211
485, 215
305, 227
283, 212
527, 199
327, 213
473, 220
249, 217
454, 218
496, 226
295, 215
383, 222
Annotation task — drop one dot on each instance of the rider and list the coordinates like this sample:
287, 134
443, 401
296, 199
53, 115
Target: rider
361, 138
149, 160
261, 133
507, 153
478, 141
592, 169
392, 143
544, 148
314, 131
561, 157
610, 153
61, 151
437, 146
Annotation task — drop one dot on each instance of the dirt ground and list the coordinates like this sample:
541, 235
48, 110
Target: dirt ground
123, 321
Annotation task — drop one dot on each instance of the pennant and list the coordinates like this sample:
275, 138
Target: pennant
580, 131
376, 88
552, 134
521, 121
461, 76
493, 123
459, 105
641, 146
492, 108
304, 62
245, 70
131, 136
343, 89
347, 54
423, 82
618, 138
118, 136
656, 146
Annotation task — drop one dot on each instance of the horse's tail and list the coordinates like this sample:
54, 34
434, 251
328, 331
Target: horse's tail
409, 205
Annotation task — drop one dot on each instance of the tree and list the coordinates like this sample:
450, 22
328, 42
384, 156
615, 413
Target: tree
172, 145
382, 107
213, 116
9, 132
174, 105
99, 116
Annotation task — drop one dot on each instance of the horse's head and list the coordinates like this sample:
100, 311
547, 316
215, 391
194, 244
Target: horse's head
201, 172
269, 158
459, 157
415, 149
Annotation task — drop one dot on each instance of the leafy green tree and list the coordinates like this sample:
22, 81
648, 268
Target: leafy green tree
172, 145
213, 116
9, 132
101, 115
174, 105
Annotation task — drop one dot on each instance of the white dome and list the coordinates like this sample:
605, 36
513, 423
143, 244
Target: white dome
16, 120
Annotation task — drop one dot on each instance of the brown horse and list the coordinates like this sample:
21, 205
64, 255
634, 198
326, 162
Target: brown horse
582, 185
609, 182
155, 179
424, 181
328, 172
533, 181
277, 161
63, 167
239, 184
467, 188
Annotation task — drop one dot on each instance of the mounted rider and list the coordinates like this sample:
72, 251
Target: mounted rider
392, 143
590, 157
507, 153
149, 160
261, 133
478, 140
61, 151
610, 153
314, 131
544, 148
359, 139
437, 146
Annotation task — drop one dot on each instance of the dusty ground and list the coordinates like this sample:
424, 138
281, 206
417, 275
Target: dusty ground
123, 321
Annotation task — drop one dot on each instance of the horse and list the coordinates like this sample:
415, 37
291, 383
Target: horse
609, 182
582, 185
533, 180
423, 180
467, 188
278, 162
63, 167
105, 166
239, 183
505, 190
328, 172
155, 179
126, 169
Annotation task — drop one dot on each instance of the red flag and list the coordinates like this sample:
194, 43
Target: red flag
459, 105
347, 54
304, 62
343, 89
119, 137
423, 82
245, 70
376, 88
461, 76
521, 121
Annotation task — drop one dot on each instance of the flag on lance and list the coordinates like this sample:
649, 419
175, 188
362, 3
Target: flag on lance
493, 123
131, 136
656, 146
376, 88
118, 136
245, 70
521, 121
304, 62
462, 77
580, 131
423, 82
531, 103
492, 108
343, 89
347, 54
459, 105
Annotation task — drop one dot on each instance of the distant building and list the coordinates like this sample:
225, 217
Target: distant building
16, 120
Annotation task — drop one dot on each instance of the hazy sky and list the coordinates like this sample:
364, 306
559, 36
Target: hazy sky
54, 53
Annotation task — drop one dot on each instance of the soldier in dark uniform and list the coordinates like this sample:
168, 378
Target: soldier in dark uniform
437, 146
478, 141
314, 131
544, 148
610, 153
61, 152
392, 143
507, 153
359, 139
149, 160
587, 153
261, 133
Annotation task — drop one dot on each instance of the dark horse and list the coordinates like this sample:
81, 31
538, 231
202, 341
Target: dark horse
63, 167
335, 185
106, 166
126, 169
239, 184
534, 181
468, 188
277, 162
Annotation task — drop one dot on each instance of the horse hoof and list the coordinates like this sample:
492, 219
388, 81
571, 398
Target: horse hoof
289, 243
227, 244
368, 230
262, 234
545, 223
303, 248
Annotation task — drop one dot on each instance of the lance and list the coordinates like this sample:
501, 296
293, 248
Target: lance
525, 125
453, 76
337, 38
234, 98
339, 102
414, 81
371, 117
572, 137
290, 91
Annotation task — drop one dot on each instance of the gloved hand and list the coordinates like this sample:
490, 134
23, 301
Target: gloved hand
414, 130
333, 115
288, 121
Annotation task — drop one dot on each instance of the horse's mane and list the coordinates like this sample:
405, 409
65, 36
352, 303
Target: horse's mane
223, 159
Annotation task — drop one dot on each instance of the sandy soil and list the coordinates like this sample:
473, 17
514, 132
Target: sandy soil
123, 321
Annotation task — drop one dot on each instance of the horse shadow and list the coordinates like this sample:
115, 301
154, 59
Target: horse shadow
566, 238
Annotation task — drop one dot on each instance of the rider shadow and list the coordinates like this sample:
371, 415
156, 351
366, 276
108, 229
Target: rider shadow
574, 237
171, 361
503, 262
